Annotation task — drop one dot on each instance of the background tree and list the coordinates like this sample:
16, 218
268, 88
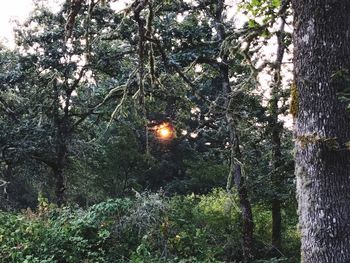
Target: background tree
90, 88
268, 21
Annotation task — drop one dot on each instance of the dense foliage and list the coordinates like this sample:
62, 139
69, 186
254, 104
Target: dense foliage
148, 228
83, 96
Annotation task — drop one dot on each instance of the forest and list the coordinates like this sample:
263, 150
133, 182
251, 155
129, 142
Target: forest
178, 131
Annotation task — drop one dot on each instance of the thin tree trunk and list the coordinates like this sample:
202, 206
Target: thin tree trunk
139, 5
7, 189
61, 145
61, 163
59, 186
322, 129
238, 178
245, 206
235, 168
236, 172
8, 176
276, 224
276, 128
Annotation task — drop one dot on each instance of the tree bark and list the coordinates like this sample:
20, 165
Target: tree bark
235, 168
59, 186
322, 129
276, 237
61, 159
238, 178
138, 6
61, 141
276, 128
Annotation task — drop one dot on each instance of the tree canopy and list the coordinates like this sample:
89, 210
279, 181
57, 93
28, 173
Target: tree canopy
161, 132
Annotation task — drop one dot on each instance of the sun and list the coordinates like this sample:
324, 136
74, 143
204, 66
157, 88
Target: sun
164, 131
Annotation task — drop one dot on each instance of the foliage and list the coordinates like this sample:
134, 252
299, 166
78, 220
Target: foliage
146, 228
73, 121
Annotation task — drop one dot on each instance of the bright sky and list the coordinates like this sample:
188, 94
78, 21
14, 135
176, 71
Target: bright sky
17, 10
20, 10
13, 9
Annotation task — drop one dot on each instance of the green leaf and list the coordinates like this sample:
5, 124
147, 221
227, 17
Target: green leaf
252, 23
276, 3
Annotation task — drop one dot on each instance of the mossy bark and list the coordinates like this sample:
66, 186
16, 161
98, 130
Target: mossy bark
247, 229
322, 41
276, 127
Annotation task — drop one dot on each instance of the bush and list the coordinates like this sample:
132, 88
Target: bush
59, 235
148, 228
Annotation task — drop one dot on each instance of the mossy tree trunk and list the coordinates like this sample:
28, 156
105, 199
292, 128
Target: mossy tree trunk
276, 155
322, 129
237, 174
235, 167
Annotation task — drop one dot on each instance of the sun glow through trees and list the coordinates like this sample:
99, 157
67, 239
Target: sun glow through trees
164, 131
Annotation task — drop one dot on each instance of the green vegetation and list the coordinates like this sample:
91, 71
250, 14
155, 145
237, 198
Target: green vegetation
82, 98
146, 228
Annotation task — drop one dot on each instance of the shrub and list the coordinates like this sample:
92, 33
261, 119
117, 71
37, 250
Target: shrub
148, 228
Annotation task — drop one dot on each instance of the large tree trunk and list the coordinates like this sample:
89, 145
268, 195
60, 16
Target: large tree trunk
322, 129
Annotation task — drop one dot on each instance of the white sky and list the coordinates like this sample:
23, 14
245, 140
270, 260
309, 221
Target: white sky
20, 10
13, 9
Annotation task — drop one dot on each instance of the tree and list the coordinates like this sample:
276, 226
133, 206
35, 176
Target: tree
58, 89
236, 169
268, 19
276, 128
322, 128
